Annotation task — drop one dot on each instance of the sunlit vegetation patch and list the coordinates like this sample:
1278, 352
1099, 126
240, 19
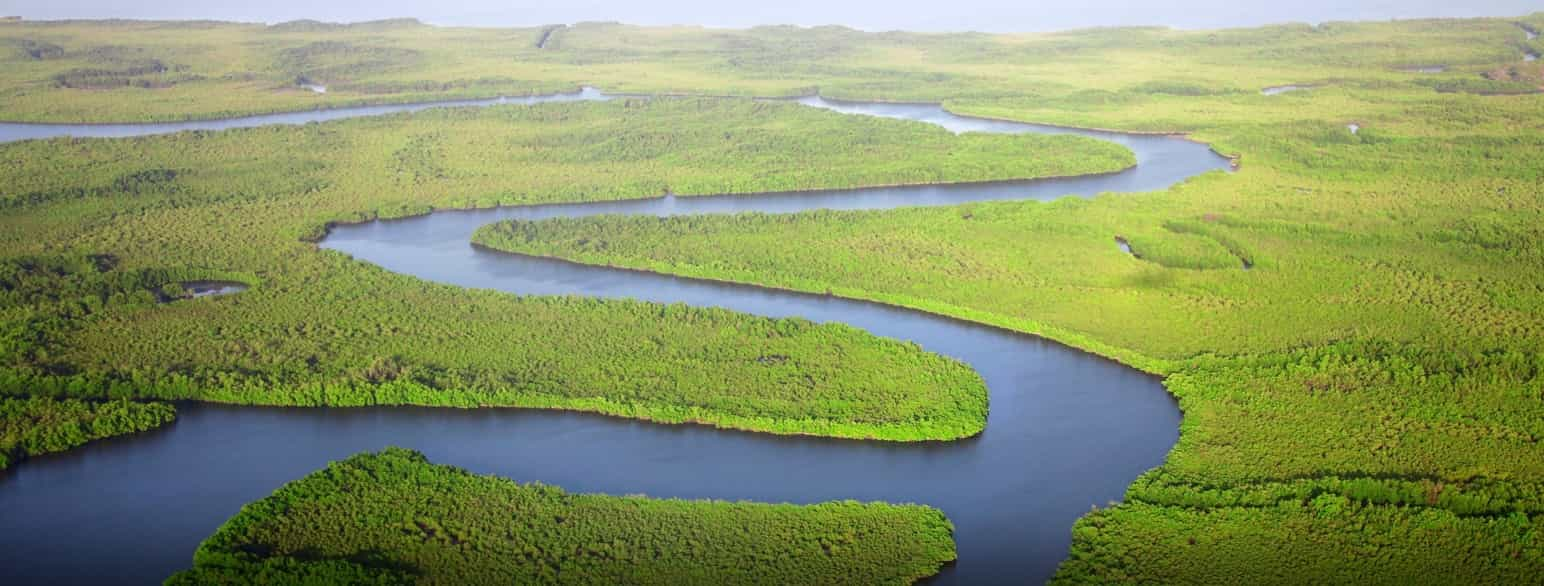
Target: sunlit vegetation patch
40, 425
394, 518
51, 303
325, 330
1366, 401
1184, 525
1211, 228
1367, 398
1186, 244
238, 67
1324, 539
1180, 251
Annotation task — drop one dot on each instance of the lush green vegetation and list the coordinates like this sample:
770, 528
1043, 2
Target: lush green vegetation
1387, 330
1366, 397
1383, 352
97, 233
1329, 539
175, 70
394, 518
34, 426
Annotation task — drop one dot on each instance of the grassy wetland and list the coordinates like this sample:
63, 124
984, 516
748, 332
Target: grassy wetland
1362, 404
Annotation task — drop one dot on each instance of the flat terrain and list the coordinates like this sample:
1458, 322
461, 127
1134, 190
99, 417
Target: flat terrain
138, 71
1353, 322
94, 230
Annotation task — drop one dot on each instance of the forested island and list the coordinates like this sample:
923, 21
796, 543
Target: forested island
395, 518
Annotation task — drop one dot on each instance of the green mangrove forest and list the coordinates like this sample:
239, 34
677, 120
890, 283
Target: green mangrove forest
1352, 322
39, 425
393, 517
96, 230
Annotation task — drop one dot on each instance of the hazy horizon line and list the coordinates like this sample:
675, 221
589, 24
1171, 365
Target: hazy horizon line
429, 22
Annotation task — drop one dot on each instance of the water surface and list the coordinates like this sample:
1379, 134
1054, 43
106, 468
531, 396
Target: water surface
1281, 89
1066, 431
212, 288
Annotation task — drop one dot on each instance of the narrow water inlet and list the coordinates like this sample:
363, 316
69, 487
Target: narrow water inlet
1529, 55
198, 289
1281, 89
1124, 246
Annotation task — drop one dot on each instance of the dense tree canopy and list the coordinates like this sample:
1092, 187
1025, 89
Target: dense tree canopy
97, 234
1362, 403
39, 425
394, 518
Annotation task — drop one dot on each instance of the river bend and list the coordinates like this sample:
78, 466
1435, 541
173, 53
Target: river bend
1066, 430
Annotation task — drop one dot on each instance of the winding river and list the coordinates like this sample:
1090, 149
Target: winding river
1067, 430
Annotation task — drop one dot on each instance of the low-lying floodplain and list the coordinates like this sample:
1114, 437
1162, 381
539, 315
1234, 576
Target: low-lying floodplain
732, 285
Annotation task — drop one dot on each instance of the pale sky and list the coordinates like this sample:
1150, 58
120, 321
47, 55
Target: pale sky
934, 15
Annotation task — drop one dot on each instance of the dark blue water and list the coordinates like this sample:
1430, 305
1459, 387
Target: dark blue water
1066, 431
